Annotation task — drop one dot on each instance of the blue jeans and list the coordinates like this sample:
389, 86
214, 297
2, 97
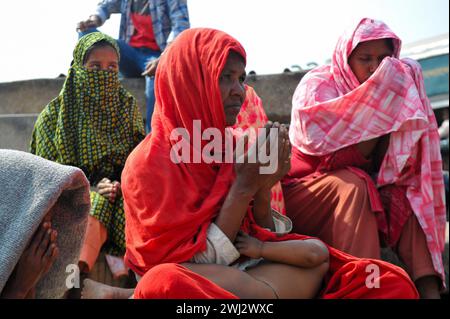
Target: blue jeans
132, 64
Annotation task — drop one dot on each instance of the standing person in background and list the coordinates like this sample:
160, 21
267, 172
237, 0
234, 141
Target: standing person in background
147, 27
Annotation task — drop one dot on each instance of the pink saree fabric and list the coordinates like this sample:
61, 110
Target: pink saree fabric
331, 111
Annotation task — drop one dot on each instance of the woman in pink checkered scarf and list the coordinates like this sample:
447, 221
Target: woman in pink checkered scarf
366, 167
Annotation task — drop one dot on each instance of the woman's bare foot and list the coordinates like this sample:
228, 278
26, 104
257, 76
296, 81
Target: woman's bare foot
96, 290
35, 261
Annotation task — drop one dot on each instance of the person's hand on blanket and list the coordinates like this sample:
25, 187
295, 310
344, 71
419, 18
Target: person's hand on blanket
34, 263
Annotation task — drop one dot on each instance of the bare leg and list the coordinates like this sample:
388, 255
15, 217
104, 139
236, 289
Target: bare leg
413, 251
290, 282
233, 280
265, 281
35, 261
96, 290
428, 287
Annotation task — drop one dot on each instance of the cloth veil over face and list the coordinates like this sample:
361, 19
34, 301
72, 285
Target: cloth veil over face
366, 30
331, 110
94, 123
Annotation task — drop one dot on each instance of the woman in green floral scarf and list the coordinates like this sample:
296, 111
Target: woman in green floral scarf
93, 124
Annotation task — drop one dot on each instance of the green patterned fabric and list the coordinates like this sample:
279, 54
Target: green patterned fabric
93, 124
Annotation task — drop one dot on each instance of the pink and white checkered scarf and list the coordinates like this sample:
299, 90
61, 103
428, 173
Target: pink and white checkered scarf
331, 110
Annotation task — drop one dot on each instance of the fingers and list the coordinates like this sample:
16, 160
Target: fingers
50, 256
38, 236
105, 181
150, 68
241, 237
44, 244
273, 142
84, 25
285, 143
51, 252
242, 158
106, 191
105, 187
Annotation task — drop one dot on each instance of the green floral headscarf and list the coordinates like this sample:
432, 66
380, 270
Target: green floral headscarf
93, 124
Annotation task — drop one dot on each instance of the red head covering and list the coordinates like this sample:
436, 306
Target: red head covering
170, 206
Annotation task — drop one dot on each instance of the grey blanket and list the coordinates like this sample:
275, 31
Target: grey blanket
30, 187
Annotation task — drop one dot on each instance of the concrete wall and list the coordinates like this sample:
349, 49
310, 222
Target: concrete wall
21, 102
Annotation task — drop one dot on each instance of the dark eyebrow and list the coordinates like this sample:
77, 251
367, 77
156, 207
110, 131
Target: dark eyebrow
234, 71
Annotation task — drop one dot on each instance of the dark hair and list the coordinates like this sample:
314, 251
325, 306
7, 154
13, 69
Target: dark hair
99, 44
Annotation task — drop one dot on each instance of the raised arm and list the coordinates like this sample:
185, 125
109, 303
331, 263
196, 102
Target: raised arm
262, 211
104, 10
248, 182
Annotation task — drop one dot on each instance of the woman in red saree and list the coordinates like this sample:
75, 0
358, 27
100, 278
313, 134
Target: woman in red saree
366, 158
183, 220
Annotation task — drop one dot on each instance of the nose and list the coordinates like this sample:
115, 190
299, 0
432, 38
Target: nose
373, 67
238, 89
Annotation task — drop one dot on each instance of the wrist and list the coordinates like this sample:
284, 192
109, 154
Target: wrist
261, 249
263, 194
243, 189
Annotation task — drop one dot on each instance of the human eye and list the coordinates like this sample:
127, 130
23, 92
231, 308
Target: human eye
94, 66
113, 67
224, 76
242, 78
364, 59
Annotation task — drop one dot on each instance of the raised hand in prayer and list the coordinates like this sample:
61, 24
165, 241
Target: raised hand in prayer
283, 159
108, 189
250, 175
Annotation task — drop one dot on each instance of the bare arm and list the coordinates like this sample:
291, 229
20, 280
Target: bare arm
233, 211
262, 211
248, 182
302, 253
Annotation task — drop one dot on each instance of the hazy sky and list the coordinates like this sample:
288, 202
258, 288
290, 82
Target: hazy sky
38, 36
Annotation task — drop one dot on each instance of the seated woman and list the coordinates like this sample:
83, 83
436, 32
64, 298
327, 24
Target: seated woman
94, 124
191, 220
43, 215
366, 156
